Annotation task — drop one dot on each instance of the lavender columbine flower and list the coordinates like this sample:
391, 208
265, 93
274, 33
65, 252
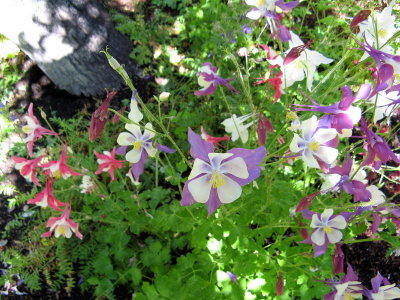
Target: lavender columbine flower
378, 150
341, 115
347, 288
218, 178
327, 227
246, 29
208, 80
378, 292
314, 145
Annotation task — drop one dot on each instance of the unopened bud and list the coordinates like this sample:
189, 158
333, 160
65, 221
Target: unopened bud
164, 96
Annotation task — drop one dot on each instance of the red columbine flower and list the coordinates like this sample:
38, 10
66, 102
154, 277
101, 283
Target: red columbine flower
99, 117
62, 226
212, 139
46, 198
27, 167
108, 163
33, 130
59, 168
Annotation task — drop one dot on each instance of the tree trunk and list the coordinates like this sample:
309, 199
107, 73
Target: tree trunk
64, 38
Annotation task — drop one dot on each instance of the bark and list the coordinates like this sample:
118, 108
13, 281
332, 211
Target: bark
64, 38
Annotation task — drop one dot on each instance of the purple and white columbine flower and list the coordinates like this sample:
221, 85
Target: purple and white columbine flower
347, 288
341, 115
142, 146
208, 80
315, 144
378, 292
218, 178
386, 103
327, 227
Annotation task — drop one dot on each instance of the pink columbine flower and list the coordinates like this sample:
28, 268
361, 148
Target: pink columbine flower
315, 144
209, 80
108, 163
218, 178
59, 168
212, 139
99, 117
33, 130
27, 167
62, 226
46, 198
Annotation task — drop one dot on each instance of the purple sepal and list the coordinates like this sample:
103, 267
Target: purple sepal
199, 147
350, 275
138, 168
164, 148
330, 296
252, 157
210, 65
121, 150
208, 91
232, 276
284, 33
286, 7
376, 282
307, 214
187, 198
377, 222
396, 212
319, 250
213, 202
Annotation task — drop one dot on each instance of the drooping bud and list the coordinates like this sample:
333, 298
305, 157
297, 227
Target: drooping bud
338, 259
295, 53
264, 125
361, 16
99, 117
279, 285
306, 201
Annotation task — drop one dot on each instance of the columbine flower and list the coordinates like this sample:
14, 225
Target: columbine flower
327, 227
142, 146
218, 178
379, 27
341, 115
108, 163
27, 167
212, 139
99, 117
62, 226
378, 150
314, 145
87, 185
59, 168
234, 125
33, 130
347, 288
208, 80
46, 198
266, 8
386, 292
304, 65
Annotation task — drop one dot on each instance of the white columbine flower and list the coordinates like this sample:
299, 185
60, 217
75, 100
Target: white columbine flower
261, 8
303, 66
237, 128
312, 144
327, 227
348, 290
387, 292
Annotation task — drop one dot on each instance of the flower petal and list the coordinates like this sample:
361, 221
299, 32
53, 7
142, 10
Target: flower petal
338, 222
200, 189
326, 154
199, 167
134, 155
334, 236
318, 237
125, 139
230, 191
237, 167
324, 135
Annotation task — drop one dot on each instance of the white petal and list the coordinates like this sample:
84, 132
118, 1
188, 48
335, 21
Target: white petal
125, 139
135, 115
334, 236
308, 127
338, 222
199, 167
326, 154
217, 158
237, 167
330, 181
317, 58
151, 151
310, 70
200, 189
294, 144
354, 113
254, 14
318, 237
324, 135
327, 213
134, 129
148, 131
315, 221
309, 159
229, 191
203, 83
134, 155
377, 197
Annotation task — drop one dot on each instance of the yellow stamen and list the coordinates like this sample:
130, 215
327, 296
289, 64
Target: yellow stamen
328, 229
313, 146
137, 145
382, 33
260, 3
57, 174
217, 179
27, 129
348, 296
299, 65
60, 230
291, 115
